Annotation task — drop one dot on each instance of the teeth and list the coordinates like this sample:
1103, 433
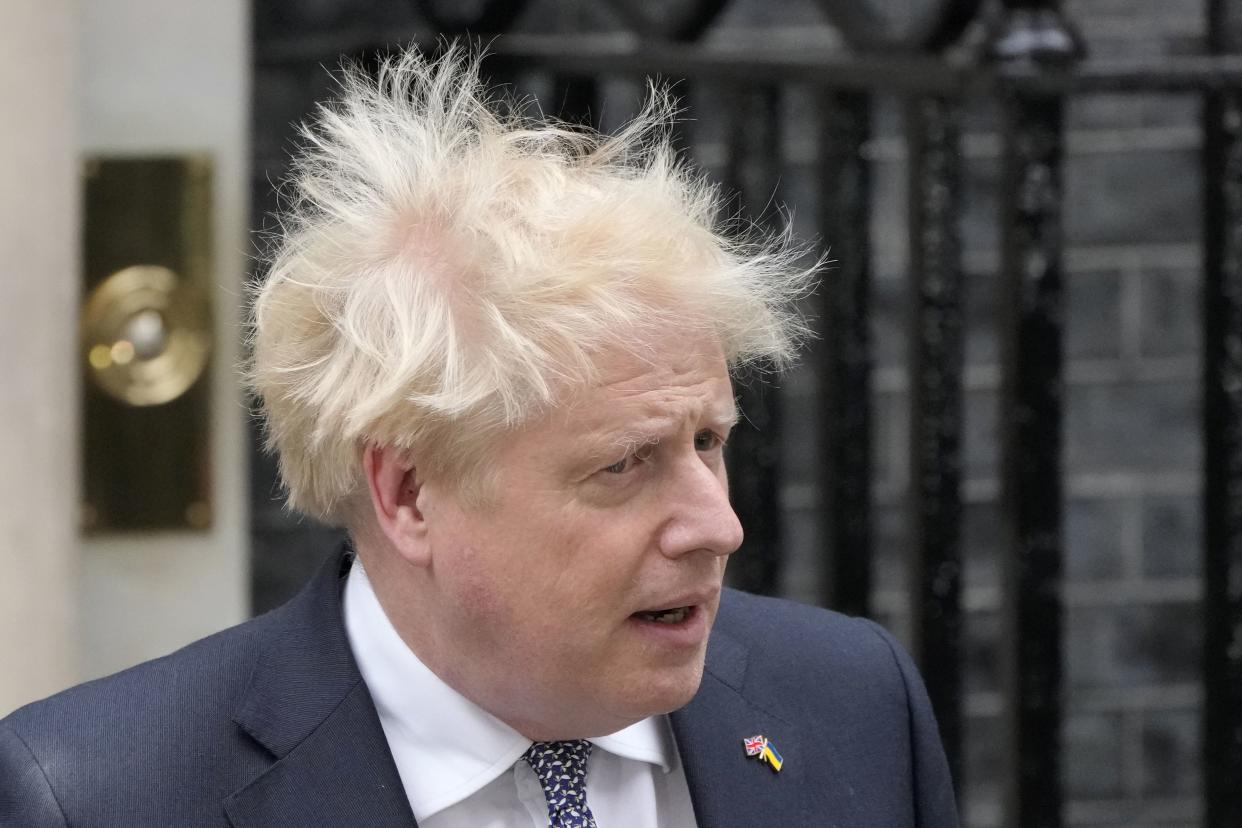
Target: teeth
673, 616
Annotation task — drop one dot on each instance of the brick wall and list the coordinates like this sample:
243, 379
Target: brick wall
1132, 447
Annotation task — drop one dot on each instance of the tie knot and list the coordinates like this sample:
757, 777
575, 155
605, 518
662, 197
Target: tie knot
561, 768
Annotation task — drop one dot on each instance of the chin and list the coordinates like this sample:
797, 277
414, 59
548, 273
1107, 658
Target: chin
665, 691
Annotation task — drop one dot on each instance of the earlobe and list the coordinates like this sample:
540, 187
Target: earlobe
395, 489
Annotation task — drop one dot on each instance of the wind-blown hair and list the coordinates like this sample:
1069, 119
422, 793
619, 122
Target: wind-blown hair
446, 272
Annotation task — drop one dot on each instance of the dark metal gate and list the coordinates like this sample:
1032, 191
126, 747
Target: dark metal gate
742, 103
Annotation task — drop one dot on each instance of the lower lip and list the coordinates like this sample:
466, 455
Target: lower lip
685, 633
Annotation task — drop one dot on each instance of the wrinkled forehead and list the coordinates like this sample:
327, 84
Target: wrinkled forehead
678, 377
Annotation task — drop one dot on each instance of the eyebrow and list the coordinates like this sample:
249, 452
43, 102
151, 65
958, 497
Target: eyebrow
634, 441
721, 414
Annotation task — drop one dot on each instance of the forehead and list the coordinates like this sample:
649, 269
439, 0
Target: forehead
676, 369
654, 390
662, 387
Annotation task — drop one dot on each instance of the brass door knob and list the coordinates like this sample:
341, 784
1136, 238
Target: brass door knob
145, 336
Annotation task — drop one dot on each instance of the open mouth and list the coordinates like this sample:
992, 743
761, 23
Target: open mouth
674, 615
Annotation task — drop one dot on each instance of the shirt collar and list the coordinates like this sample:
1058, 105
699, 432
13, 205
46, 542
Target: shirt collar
650, 740
444, 745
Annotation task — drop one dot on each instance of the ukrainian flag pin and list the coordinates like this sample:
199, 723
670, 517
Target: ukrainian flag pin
762, 747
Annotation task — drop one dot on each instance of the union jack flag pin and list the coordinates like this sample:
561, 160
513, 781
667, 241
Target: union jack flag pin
762, 747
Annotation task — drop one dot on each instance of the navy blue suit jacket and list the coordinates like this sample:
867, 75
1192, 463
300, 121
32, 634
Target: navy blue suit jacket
270, 724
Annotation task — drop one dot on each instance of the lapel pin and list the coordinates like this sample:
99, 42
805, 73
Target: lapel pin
760, 746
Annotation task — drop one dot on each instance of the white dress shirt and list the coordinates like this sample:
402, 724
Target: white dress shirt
462, 767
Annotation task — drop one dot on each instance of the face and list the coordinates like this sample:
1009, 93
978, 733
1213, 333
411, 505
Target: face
579, 600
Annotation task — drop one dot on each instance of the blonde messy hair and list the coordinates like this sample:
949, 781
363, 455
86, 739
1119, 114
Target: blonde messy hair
446, 272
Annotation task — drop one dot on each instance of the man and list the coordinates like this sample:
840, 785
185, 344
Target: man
498, 352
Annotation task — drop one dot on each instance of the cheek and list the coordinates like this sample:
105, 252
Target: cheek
539, 572
476, 595
510, 585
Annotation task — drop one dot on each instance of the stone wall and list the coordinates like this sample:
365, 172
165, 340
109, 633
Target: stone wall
38, 297
1132, 445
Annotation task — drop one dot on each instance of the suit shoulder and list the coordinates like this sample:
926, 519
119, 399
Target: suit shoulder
150, 737
795, 645
846, 686
199, 682
763, 621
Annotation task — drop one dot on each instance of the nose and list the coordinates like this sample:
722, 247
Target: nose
701, 518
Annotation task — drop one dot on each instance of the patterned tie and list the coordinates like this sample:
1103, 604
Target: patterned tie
561, 768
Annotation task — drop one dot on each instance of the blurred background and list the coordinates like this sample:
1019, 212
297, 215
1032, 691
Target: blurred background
1017, 441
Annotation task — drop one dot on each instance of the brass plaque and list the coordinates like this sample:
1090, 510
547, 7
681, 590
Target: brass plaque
145, 344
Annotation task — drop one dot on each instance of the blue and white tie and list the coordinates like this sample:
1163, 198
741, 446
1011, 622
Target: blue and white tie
561, 768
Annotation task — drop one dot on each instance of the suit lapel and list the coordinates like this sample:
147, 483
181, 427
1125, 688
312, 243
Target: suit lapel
728, 787
306, 703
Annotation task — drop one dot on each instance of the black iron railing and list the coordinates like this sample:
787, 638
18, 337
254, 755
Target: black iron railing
1026, 57
1222, 441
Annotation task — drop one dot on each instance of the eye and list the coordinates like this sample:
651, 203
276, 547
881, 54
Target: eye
706, 440
637, 455
618, 467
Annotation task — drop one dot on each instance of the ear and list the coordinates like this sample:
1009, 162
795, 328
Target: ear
395, 487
